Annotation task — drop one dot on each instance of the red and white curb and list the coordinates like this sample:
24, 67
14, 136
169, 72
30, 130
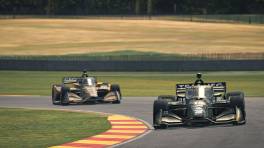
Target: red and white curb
123, 129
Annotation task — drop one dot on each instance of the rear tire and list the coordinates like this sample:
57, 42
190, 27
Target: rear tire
167, 98
158, 107
55, 95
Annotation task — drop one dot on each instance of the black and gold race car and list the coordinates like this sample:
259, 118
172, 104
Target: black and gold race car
85, 89
201, 103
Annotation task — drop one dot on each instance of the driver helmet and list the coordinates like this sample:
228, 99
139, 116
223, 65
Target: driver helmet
199, 80
84, 74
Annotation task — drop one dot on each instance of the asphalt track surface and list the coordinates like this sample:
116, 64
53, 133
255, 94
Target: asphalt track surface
250, 135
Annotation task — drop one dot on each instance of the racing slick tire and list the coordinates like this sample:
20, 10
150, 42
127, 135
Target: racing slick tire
168, 98
237, 101
159, 106
55, 95
115, 88
64, 96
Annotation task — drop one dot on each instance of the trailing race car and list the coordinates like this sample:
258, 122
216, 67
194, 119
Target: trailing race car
199, 103
85, 89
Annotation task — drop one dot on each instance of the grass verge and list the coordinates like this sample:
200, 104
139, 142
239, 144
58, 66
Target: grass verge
124, 55
132, 83
44, 128
133, 55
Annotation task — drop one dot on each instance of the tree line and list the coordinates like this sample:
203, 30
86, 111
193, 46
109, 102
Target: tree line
130, 7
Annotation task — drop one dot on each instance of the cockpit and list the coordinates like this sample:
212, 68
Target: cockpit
199, 92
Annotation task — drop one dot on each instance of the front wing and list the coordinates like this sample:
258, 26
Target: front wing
230, 115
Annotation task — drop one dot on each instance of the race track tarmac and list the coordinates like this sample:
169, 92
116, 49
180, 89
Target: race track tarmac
250, 135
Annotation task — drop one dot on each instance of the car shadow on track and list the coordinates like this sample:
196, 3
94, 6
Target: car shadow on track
198, 126
87, 103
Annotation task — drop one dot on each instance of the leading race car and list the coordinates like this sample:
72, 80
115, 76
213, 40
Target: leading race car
85, 89
199, 103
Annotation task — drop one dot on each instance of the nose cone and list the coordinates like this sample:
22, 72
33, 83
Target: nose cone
199, 108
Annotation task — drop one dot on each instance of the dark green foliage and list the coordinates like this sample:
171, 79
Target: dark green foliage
105, 7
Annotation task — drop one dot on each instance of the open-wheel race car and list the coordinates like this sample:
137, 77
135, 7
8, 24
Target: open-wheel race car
199, 103
85, 89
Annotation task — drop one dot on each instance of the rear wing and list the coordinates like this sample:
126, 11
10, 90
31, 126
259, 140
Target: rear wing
67, 80
218, 87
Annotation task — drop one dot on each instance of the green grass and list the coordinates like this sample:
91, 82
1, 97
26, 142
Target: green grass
133, 55
28, 128
125, 55
132, 83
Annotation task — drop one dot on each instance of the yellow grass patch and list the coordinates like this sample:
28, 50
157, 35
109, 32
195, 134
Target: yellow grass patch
70, 36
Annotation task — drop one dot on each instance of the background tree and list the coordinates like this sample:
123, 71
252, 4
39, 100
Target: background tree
137, 6
104, 7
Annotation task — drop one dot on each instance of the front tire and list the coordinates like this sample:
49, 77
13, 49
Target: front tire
158, 107
55, 95
237, 101
64, 96
115, 88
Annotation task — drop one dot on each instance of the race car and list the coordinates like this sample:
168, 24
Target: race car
199, 103
85, 89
